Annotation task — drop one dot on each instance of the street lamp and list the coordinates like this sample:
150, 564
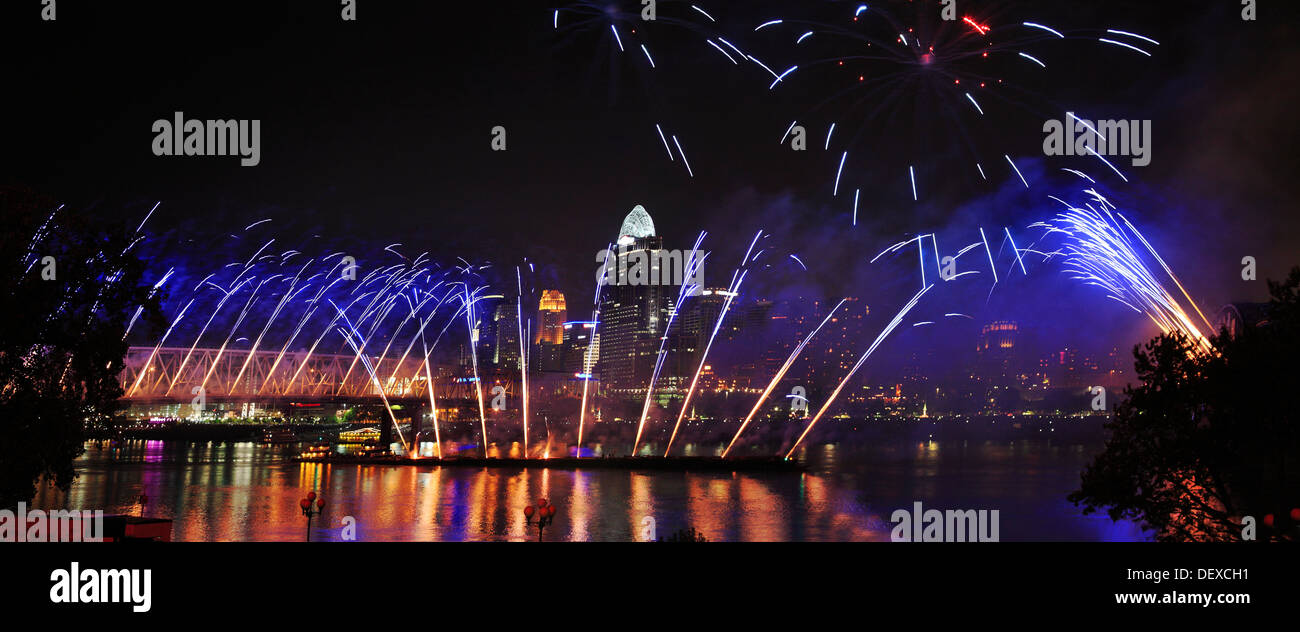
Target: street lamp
545, 515
311, 512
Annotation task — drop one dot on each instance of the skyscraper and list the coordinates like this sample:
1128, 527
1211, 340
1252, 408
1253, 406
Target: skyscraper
551, 314
634, 308
506, 325
577, 337
549, 337
696, 322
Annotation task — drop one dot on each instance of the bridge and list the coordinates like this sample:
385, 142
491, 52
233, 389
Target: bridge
178, 374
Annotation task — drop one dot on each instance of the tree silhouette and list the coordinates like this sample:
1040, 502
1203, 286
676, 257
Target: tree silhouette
1207, 440
62, 336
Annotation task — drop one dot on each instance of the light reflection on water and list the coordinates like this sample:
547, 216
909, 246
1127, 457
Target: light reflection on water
244, 491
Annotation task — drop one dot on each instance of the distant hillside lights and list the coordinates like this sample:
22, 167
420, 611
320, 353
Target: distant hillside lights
193, 137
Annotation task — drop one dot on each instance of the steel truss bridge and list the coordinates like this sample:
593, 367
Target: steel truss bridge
179, 374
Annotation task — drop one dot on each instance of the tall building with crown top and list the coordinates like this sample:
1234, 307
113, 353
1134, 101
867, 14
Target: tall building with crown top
635, 305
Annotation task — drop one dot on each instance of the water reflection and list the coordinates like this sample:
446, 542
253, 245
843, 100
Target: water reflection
243, 491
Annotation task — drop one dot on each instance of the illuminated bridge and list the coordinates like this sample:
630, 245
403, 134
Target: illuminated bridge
177, 375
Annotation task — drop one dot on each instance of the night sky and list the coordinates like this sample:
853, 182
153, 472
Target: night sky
378, 131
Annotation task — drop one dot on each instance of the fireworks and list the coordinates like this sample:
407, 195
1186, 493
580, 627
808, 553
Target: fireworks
586, 356
622, 28
266, 306
472, 327
898, 318
693, 263
910, 66
350, 335
853, 75
1099, 248
794, 355
380, 316
733, 290
523, 354
272, 304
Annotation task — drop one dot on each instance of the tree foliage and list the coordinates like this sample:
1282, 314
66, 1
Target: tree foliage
62, 336
1206, 440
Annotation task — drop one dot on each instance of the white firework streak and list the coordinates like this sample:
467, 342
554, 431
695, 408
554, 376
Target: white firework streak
780, 374
862, 360
693, 262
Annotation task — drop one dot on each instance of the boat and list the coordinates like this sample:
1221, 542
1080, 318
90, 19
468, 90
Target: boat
279, 435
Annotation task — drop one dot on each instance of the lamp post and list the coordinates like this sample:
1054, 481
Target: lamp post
545, 515
310, 511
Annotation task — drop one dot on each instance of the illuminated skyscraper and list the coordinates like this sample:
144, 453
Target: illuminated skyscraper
548, 340
505, 323
696, 322
577, 337
551, 314
633, 311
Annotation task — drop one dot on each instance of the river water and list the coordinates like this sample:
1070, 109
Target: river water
249, 492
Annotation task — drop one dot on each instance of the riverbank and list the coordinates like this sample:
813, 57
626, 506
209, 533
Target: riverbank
204, 432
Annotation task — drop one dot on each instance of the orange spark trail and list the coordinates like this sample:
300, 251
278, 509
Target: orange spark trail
692, 265
780, 374
433, 404
862, 360
686, 402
